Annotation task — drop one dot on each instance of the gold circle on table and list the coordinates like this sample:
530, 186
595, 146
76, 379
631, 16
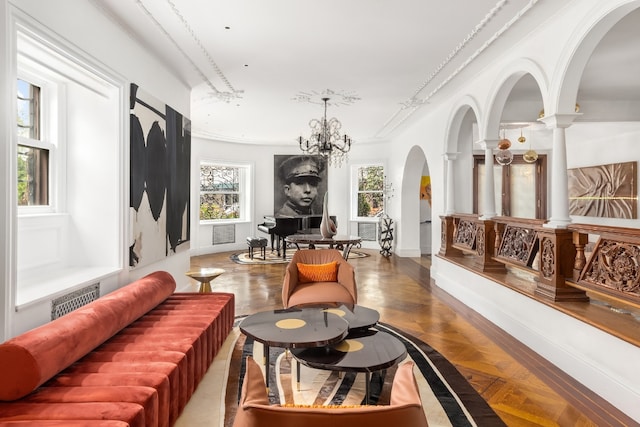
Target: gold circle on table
290, 323
335, 311
348, 346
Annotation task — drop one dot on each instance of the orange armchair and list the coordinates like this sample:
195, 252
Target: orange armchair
319, 276
405, 408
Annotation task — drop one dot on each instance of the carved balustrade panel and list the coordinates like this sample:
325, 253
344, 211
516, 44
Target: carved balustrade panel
613, 268
465, 234
518, 245
614, 265
446, 238
548, 258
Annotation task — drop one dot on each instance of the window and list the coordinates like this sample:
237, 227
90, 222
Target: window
33, 153
370, 191
223, 192
68, 137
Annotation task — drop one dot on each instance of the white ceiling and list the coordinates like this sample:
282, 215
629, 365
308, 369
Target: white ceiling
258, 68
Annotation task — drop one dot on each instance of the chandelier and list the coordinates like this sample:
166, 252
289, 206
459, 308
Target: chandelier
325, 139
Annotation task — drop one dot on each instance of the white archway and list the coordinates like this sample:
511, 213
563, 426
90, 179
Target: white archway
504, 84
409, 230
564, 88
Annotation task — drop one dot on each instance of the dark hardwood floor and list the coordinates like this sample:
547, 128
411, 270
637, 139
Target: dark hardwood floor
522, 387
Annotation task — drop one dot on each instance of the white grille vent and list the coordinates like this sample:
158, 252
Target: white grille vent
74, 300
368, 231
224, 234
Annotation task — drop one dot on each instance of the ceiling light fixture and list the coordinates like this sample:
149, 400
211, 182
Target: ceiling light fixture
530, 156
504, 156
326, 140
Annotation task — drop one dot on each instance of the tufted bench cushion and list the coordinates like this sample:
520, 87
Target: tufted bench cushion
30, 359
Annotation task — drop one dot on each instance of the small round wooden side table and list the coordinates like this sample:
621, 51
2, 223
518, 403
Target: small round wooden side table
204, 276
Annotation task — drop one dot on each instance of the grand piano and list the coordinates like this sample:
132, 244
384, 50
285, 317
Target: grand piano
281, 227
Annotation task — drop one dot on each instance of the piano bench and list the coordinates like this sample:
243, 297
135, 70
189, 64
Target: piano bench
257, 242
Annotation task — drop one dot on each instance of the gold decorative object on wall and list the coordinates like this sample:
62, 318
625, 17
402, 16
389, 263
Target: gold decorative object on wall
606, 191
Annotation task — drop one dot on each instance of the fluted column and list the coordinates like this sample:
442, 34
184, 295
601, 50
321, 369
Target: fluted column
489, 197
450, 201
559, 179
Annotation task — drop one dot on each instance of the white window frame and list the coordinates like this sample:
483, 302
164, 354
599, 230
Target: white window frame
244, 191
47, 237
355, 191
32, 68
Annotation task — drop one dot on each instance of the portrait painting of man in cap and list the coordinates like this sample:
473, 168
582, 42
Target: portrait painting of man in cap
300, 182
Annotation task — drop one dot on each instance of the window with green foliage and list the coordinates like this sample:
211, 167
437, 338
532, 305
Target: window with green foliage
370, 194
222, 192
33, 153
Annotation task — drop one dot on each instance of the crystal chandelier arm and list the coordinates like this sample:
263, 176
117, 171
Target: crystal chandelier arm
326, 139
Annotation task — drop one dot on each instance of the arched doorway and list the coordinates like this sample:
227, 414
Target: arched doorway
410, 232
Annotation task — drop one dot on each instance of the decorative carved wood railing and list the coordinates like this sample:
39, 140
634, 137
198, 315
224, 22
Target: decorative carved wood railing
613, 268
504, 241
476, 236
517, 240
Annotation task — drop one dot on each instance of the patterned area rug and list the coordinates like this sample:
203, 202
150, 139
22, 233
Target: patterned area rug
273, 258
448, 399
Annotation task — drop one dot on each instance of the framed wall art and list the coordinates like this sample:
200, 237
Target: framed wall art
160, 152
606, 191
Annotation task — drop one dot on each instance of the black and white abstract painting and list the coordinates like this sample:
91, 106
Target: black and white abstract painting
160, 151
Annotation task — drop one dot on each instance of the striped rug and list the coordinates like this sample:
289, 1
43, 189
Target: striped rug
448, 399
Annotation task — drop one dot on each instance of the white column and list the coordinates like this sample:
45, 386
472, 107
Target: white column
559, 179
450, 200
489, 196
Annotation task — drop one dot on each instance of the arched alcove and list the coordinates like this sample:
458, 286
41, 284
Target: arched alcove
409, 229
601, 78
459, 145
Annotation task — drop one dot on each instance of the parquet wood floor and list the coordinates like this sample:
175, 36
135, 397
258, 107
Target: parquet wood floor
523, 388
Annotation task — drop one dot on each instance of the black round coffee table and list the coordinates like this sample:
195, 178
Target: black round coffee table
294, 328
361, 351
358, 317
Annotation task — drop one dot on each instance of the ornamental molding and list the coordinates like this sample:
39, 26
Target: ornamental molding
415, 101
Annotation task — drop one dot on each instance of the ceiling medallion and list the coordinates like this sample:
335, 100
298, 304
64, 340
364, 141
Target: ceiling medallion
334, 98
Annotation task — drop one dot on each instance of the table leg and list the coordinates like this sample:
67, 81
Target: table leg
347, 250
297, 373
265, 359
367, 386
205, 287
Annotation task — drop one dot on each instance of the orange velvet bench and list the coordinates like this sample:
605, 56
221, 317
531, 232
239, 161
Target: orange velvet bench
131, 358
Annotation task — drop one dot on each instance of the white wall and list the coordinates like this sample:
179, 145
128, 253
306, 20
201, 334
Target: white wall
612, 142
79, 26
261, 158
